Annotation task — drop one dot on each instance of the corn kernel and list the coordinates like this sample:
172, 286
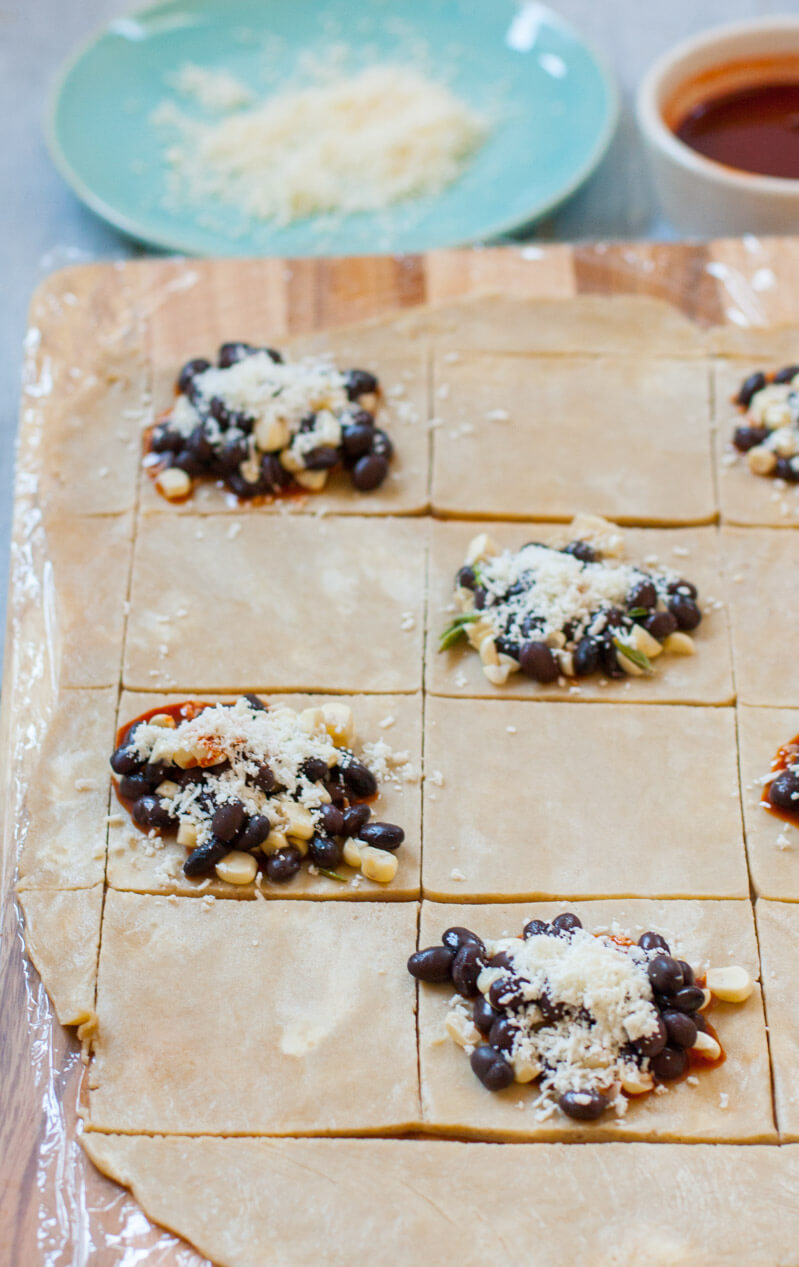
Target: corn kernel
378, 864
481, 547
461, 1030
679, 643
297, 821
339, 723
237, 868
706, 1046
271, 434
274, 841
352, 853
187, 835
731, 984
173, 483
314, 481
762, 461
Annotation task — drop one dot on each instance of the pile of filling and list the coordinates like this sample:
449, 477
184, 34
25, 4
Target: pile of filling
770, 435
592, 1018
781, 786
263, 426
250, 787
570, 612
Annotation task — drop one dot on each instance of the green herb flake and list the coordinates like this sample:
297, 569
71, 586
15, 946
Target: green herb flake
636, 657
454, 630
332, 875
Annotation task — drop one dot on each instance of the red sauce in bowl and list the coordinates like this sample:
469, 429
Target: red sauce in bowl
754, 129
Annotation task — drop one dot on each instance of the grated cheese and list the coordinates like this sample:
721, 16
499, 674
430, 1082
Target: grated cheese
358, 142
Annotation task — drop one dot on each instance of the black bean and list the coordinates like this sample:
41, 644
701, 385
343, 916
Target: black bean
369, 472
199, 445
785, 470
156, 771
323, 851
242, 488
205, 857
661, 624
786, 374
681, 586
133, 786
784, 791
358, 779
689, 999
584, 1106
507, 992
681, 1029
125, 761
653, 941
231, 455
256, 703
586, 657
323, 458
503, 959
745, 438
700, 1022
163, 440
359, 383
228, 820
355, 818
466, 968
483, 1015
491, 1067
754, 383
382, 835
381, 445
457, 936
273, 476
566, 923
314, 769
670, 1063
536, 928
538, 662
254, 833
190, 371
685, 611
608, 661
642, 594
688, 974
479, 598
356, 439
503, 1033
651, 1044
186, 461
550, 1011
332, 820
230, 353
433, 964
581, 550
264, 778
466, 578
149, 811
283, 864
219, 410
665, 974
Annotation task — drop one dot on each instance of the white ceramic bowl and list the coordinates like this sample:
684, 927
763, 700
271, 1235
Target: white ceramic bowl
700, 196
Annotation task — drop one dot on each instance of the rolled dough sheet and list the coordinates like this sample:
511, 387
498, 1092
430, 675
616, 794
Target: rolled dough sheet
146, 866
730, 1103
625, 799
704, 678
778, 933
232, 1018
296, 604
745, 498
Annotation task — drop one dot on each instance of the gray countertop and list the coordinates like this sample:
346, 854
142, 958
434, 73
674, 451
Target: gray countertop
43, 226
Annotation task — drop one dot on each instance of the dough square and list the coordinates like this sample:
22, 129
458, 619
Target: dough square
745, 498
760, 569
615, 1203
62, 937
86, 393
277, 603
772, 843
704, 678
625, 438
731, 1102
229, 1018
574, 804
70, 593
145, 866
778, 934
404, 416
63, 821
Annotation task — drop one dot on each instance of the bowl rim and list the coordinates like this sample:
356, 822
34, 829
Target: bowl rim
659, 135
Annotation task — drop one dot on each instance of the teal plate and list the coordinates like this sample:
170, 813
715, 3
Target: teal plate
553, 106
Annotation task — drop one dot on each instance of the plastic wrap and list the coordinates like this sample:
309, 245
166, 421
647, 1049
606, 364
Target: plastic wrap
61, 1211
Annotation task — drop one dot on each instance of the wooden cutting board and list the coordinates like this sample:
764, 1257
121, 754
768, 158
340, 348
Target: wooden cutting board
735, 282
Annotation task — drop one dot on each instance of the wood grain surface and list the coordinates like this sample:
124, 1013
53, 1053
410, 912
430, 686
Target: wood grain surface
739, 284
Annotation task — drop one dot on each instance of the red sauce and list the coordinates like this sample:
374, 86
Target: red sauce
184, 711
754, 129
786, 756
